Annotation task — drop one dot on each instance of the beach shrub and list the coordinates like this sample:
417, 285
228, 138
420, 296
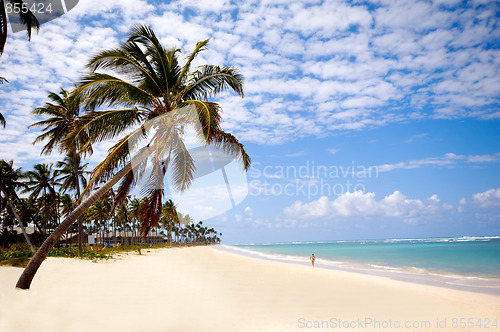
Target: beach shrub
17, 254
18, 250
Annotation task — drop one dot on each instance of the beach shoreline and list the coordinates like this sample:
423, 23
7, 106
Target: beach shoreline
477, 284
208, 289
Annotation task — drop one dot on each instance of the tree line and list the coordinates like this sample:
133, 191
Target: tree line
47, 202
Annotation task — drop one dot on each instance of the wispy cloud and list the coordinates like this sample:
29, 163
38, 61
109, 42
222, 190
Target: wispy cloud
311, 68
449, 159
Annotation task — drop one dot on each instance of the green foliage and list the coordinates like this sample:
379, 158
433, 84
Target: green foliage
17, 255
17, 250
71, 252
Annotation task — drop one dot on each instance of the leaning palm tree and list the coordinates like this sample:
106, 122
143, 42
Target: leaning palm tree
150, 84
63, 114
26, 16
9, 182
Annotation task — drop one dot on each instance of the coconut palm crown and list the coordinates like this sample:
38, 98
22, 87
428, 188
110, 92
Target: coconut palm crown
151, 84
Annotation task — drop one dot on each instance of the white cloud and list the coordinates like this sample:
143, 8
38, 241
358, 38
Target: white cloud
448, 159
365, 205
332, 151
487, 199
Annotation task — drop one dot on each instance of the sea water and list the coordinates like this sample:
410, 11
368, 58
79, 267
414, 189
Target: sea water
470, 263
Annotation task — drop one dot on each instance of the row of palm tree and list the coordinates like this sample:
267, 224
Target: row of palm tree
41, 207
124, 90
45, 206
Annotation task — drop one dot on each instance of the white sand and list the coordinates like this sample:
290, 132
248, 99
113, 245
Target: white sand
203, 289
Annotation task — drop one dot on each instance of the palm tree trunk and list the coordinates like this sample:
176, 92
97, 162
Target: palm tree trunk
26, 278
23, 229
80, 221
170, 233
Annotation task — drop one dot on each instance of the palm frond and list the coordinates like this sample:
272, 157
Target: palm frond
200, 46
164, 61
27, 18
103, 89
2, 120
3, 26
151, 211
207, 114
126, 184
128, 60
210, 80
98, 126
231, 146
183, 166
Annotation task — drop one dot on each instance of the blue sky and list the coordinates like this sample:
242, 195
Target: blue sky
407, 89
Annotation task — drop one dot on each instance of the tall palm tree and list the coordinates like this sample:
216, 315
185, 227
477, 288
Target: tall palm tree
63, 115
150, 84
41, 184
170, 217
26, 17
40, 181
100, 213
71, 179
9, 182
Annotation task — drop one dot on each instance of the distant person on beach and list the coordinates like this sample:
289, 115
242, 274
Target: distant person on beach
312, 258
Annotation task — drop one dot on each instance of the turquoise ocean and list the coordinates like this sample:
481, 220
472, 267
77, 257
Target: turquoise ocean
469, 263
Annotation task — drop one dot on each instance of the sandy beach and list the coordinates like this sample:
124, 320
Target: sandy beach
205, 289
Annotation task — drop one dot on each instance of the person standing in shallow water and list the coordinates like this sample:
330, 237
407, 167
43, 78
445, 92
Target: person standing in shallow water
312, 258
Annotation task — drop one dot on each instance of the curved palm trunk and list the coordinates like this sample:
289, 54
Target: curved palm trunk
24, 281
23, 229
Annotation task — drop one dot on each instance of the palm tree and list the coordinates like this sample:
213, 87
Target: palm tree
71, 179
40, 180
25, 15
135, 207
63, 115
100, 213
170, 217
41, 183
9, 182
150, 85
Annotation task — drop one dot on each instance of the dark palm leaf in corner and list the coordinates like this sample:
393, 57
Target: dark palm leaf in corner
26, 16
